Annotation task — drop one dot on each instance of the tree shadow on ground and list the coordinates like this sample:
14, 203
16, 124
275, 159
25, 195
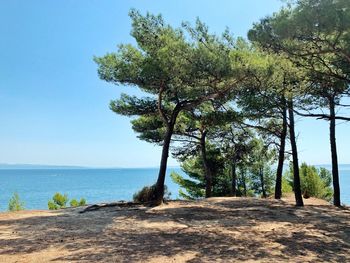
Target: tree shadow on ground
228, 230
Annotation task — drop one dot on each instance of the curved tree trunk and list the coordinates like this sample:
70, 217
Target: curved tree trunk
279, 173
297, 190
159, 191
335, 172
233, 178
206, 166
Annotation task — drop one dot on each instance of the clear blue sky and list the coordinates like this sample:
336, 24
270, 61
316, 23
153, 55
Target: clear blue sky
53, 107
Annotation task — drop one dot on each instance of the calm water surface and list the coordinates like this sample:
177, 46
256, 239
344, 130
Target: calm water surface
37, 186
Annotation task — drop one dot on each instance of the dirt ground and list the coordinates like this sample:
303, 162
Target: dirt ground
211, 230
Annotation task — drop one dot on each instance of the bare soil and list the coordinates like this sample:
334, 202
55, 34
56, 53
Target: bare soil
211, 230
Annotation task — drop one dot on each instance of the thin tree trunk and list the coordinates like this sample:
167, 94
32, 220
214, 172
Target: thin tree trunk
244, 183
206, 166
261, 173
335, 172
233, 178
297, 190
278, 186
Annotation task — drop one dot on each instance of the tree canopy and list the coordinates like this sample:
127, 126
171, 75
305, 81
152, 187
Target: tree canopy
225, 107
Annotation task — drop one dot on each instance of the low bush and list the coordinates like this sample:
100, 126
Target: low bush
286, 186
313, 182
76, 203
146, 194
15, 203
58, 201
82, 202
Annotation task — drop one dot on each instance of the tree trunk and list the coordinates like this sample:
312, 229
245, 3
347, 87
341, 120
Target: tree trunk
159, 191
233, 178
278, 186
261, 173
206, 166
297, 190
244, 183
335, 172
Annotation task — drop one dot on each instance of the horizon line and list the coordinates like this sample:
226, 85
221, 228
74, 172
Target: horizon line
38, 166
27, 165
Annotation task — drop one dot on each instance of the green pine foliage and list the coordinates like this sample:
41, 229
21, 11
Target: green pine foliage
75, 203
193, 187
58, 201
15, 203
314, 182
82, 202
220, 104
269, 180
286, 186
190, 189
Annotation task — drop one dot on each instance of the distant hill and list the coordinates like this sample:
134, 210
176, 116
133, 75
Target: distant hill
38, 166
45, 166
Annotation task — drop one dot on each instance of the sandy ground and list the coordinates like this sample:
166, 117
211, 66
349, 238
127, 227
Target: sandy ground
212, 230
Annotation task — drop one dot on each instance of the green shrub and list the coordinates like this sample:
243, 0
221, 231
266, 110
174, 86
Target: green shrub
146, 194
286, 186
75, 203
58, 201
15, 203
52, 206
313, 182
326, 176
82, 202
189, 189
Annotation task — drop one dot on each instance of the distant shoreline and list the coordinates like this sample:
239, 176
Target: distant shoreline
39, 166
34, 166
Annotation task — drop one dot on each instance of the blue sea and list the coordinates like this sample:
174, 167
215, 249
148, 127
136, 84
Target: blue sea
37, 186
